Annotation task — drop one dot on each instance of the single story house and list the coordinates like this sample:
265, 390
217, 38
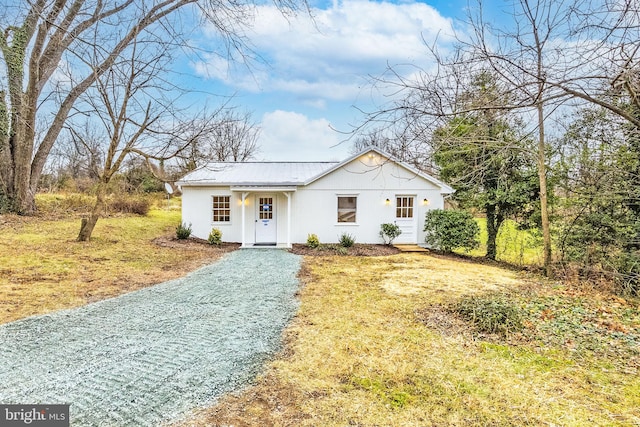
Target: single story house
281, 203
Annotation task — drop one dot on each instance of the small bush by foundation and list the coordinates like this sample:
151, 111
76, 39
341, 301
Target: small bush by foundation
215, 237
347, 240
183, 231
313, 241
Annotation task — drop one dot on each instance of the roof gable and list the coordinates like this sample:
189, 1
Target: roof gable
383, 158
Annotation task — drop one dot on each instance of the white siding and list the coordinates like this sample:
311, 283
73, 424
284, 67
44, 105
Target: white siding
373, 179
197, 210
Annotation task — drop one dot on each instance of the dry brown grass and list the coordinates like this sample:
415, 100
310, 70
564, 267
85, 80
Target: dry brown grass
361, 352
373, 343
43, 268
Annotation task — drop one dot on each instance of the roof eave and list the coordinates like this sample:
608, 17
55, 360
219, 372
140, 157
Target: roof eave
237, 184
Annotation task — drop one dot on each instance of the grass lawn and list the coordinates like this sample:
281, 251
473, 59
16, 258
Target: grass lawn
518, 247
375, 343
43, 267
378, 340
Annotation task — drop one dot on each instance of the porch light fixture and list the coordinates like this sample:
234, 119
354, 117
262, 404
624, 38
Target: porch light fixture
425, 202
387, 202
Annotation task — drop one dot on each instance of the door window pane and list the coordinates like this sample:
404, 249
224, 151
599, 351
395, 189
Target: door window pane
404, 207
265, 208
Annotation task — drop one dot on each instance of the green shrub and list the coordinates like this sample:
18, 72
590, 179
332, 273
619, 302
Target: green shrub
451, 229
389, 232
313, 241
492, 314
215, 237
347, 240
183, 231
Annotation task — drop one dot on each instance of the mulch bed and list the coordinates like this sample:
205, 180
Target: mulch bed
359, 249
194, 244
201, 245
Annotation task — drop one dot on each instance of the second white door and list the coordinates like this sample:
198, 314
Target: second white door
406, 219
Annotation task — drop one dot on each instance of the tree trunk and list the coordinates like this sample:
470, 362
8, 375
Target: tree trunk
492, 232
542, 164
88, 224
544, 209
494, 221
6, 165
22, 193
23, 197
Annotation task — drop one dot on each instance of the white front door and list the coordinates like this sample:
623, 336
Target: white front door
266, 219
406, 219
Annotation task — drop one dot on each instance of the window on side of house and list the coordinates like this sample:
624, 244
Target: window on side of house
221, 208
404, 206
347, 206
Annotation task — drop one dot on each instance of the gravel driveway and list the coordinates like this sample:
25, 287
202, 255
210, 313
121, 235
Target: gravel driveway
151, 355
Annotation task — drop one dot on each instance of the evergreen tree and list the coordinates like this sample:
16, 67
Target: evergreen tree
482, 154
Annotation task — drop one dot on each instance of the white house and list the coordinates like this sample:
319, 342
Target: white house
280, 203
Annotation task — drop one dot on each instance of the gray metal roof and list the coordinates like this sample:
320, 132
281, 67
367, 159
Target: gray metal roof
256, 173
281, 174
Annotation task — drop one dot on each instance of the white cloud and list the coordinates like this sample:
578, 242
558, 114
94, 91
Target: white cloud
329, 57
215, 67
323, 65
291, 136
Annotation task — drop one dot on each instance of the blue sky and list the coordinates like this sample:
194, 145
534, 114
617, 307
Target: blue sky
314, 76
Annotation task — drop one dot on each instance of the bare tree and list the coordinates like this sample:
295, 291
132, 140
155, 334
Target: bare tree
229, 137
538, 23
129, 102
234, 139
548, 55
39, 38
77, 157
403, 146
560, 52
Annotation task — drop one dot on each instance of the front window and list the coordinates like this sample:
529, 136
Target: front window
347, 208
221, 208
404, 207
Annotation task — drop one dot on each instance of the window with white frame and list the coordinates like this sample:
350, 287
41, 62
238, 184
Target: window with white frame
347, 207
404, 206
221, 208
